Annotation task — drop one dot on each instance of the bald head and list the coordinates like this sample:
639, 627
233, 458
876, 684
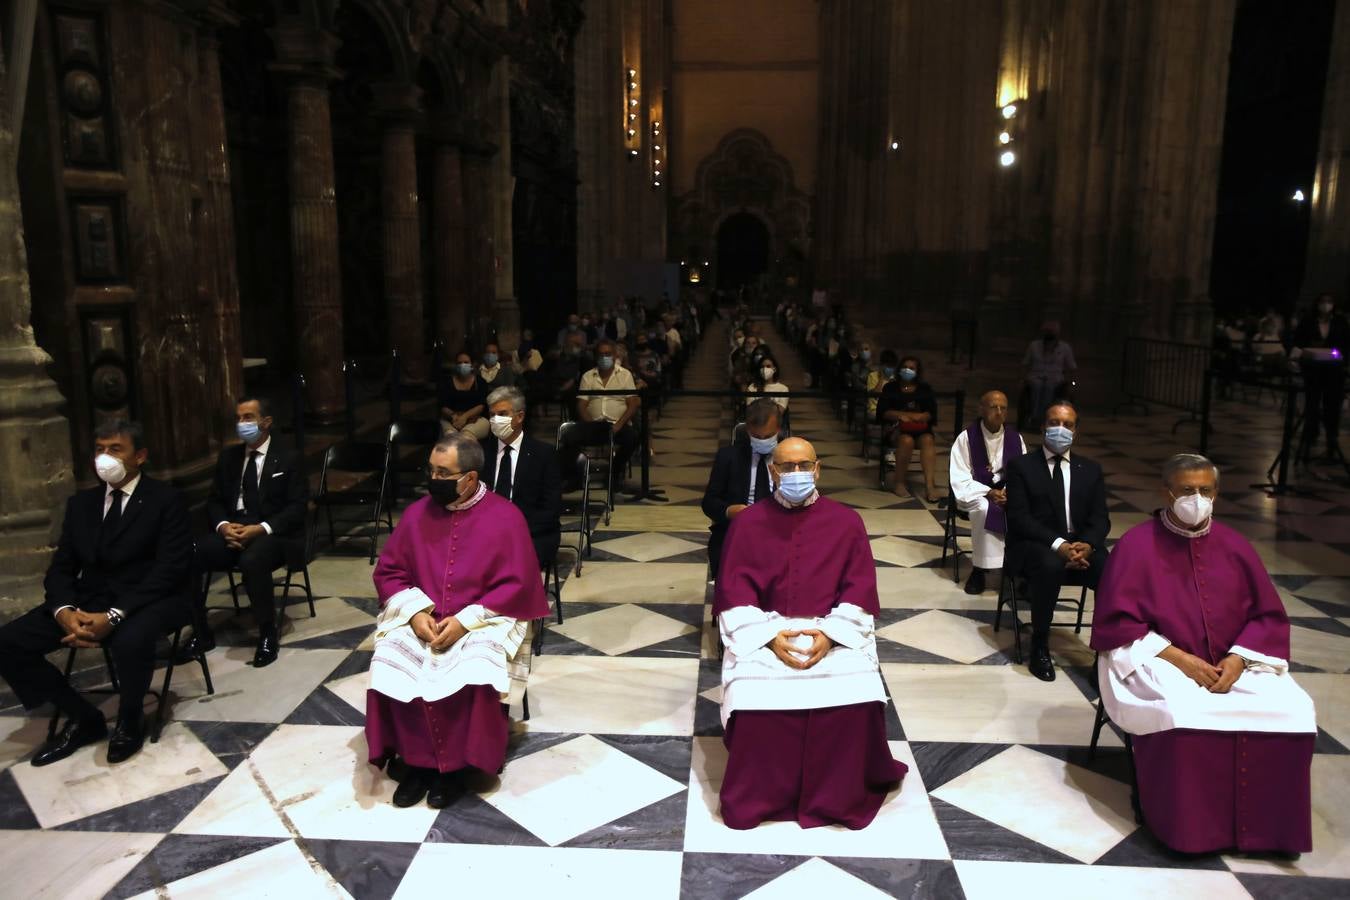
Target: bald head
994, 410
794, 450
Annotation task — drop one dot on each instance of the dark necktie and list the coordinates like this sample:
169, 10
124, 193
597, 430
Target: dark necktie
1057, 495
762, 486
252, 503
112, 519
503, 485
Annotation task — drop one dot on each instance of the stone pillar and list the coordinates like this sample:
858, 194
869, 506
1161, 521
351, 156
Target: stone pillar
596, 135
449, 237
505, 309
220, 274
305, 58
35, 464
397, 104
1328, 265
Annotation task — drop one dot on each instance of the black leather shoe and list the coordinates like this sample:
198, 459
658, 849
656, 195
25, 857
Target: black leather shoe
1041, 665
445, 789
266, 654
126, 740
975, 583
69, 739
195, 646
413, 787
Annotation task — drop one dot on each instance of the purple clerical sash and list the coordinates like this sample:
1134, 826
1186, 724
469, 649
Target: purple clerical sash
981, 471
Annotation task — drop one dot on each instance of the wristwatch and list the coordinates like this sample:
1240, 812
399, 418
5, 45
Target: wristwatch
114, 617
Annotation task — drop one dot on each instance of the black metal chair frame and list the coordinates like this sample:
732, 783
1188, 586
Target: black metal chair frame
601, 465
1102, 719
160, 695
1007, 596
949, 535
352, 456
418, 432
292, 569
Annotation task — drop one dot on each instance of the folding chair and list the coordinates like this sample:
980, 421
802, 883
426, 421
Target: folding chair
420, 433
595, 435
955, 516
356, 457
1008, 588
576, 479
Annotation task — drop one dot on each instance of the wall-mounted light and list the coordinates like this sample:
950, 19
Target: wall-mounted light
631, 139
1007, 158
1299, 196
1004, 137
658, 155
1009, 131
1009, 111
895, 146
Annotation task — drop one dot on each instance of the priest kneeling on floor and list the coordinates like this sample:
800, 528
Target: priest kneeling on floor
458, 582
1194, 663
802, 700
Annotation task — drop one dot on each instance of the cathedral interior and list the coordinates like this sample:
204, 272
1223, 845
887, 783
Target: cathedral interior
323, 203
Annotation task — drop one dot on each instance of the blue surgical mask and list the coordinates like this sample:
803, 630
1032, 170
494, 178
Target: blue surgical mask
888, 371
908, 374
795, 487
605, 362
1058, 438
489, 359
764, 446
463, 368
249, 432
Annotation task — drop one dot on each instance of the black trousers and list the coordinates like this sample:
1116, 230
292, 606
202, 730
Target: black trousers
1324, 387
26, 641
1046, 576
256, 562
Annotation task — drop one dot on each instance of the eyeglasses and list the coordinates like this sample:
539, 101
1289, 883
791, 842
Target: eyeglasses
804, 466
1206, 492
442, 475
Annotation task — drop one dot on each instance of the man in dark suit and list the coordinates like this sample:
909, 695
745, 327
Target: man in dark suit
257, 508
523, 470
740, 475
1057, 525
119, 578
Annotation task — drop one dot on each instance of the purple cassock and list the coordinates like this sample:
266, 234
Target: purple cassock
1214, 771
803, 745
444, 710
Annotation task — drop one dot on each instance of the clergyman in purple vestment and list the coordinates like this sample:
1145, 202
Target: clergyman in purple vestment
1193, 662
458, 582
802, 700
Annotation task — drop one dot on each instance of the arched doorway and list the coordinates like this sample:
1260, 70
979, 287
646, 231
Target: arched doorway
742, 250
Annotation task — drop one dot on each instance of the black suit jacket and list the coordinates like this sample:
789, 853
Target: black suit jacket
728, 485
535, 488
283, 490
145, 562
1031, 510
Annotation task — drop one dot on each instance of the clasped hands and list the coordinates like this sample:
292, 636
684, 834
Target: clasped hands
1215, 679
1076, 554
784, 646
237, 536
440, 635
83, 629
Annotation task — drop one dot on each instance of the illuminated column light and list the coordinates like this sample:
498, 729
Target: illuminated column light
658, 154
1299, 196
631, 139
1007, 158
1010, 110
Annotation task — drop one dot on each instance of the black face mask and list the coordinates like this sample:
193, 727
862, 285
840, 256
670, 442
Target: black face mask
443, 490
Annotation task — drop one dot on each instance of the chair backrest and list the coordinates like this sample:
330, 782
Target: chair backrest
423, 432
585, 434
353, 456
740, 434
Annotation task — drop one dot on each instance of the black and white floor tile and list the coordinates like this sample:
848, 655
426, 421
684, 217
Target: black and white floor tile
611, 785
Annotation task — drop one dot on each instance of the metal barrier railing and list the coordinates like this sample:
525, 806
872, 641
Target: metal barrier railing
1166, 373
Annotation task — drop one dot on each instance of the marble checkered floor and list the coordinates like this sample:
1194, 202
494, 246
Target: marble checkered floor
611, 786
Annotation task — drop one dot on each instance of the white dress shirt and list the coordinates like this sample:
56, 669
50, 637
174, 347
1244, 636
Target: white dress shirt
1064, 467
515, 460
239, 499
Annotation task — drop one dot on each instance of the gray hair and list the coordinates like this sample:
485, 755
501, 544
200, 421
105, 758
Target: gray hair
1188, 462
468, 452
514, 394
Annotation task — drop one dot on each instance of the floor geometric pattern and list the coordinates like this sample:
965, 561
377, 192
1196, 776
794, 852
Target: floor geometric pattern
610, 788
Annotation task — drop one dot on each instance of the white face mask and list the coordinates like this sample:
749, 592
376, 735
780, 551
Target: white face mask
1192, 509
110, 468
768, 373
501, 426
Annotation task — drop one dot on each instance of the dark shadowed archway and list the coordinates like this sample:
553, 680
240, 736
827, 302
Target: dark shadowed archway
742, 250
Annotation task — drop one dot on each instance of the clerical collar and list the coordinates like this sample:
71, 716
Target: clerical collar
1184, 532
471, 502
815, 495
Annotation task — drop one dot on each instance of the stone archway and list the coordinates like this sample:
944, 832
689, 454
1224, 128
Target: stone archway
744, 175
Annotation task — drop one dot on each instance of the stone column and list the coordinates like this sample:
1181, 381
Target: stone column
35, 465
505, 309
449, 238
397, 104
305, 58
220, 275
596, 134
1328, 265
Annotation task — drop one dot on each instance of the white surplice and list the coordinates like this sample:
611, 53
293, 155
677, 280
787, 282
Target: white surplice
971, 495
